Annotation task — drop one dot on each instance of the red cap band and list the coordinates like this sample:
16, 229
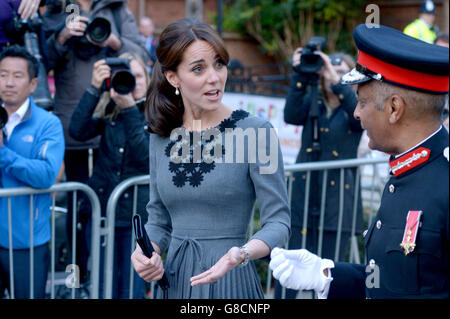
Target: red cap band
396, 74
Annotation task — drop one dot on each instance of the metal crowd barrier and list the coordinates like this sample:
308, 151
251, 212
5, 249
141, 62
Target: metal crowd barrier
289, 170
110, 226
325, 166
95, 235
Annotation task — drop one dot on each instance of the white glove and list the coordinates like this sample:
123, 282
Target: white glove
300, 270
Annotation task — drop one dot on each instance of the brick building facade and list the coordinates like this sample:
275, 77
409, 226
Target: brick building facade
393, 13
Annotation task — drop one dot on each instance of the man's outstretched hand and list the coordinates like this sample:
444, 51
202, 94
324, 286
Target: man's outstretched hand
299, 269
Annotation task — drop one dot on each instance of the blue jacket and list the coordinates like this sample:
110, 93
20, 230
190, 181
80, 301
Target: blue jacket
32, 157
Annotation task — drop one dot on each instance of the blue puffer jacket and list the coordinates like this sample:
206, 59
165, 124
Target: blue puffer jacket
32, 157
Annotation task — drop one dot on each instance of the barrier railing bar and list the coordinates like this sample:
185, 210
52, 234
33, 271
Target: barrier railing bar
338, 164
53, 247
322, 211
341, 214
10, 251
306, 209
133, 244
111, 215
74, 233
355, 209
31, 249
62, 187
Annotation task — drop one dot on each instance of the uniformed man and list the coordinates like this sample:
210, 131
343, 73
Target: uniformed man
424, 28
402, 87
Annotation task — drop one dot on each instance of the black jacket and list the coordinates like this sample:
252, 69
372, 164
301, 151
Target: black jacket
339, 136
424, 272
123, 152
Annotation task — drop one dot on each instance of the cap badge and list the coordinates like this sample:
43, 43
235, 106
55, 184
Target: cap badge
409, 236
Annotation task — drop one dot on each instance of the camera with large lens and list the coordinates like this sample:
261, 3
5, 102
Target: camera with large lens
17, 27
311, 62
25, 31
98, 29
3, 117
121, 80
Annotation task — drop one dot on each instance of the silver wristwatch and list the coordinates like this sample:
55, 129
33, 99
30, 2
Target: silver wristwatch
246, 257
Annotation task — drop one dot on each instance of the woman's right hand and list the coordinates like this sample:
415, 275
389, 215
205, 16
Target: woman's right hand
149, 269
74, 28
100, 73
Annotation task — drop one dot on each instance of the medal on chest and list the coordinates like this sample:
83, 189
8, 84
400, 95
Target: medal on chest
410, 234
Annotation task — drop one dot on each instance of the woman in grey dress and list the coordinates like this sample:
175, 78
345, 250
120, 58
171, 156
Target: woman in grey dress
205, 176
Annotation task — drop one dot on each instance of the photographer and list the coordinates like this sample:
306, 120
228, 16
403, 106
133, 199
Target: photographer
338, 135
123, 153
72, 54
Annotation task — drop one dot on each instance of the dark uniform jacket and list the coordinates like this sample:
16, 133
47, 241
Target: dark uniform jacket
339, 136
424, 272
123, 153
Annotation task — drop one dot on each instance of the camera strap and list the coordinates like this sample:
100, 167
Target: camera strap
115, 7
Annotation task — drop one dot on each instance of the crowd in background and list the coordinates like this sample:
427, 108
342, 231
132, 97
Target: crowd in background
104, 135
103, 140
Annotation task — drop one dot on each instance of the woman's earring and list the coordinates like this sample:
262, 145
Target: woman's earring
176, 91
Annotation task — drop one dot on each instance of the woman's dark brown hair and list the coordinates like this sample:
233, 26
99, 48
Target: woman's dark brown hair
164, 110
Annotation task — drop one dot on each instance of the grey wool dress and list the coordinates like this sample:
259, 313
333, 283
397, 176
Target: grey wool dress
199, 209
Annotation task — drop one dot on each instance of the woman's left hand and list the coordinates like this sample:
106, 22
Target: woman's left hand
122, 101
230, 260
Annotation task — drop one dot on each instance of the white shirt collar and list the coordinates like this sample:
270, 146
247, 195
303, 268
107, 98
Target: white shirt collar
22, 110
397, 156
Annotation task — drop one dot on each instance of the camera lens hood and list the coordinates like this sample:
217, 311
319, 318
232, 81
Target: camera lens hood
123, 82
98, 29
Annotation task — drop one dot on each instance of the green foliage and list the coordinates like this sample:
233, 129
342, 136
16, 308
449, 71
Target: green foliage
281, 26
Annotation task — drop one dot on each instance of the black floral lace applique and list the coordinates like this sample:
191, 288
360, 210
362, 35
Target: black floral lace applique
193, 173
